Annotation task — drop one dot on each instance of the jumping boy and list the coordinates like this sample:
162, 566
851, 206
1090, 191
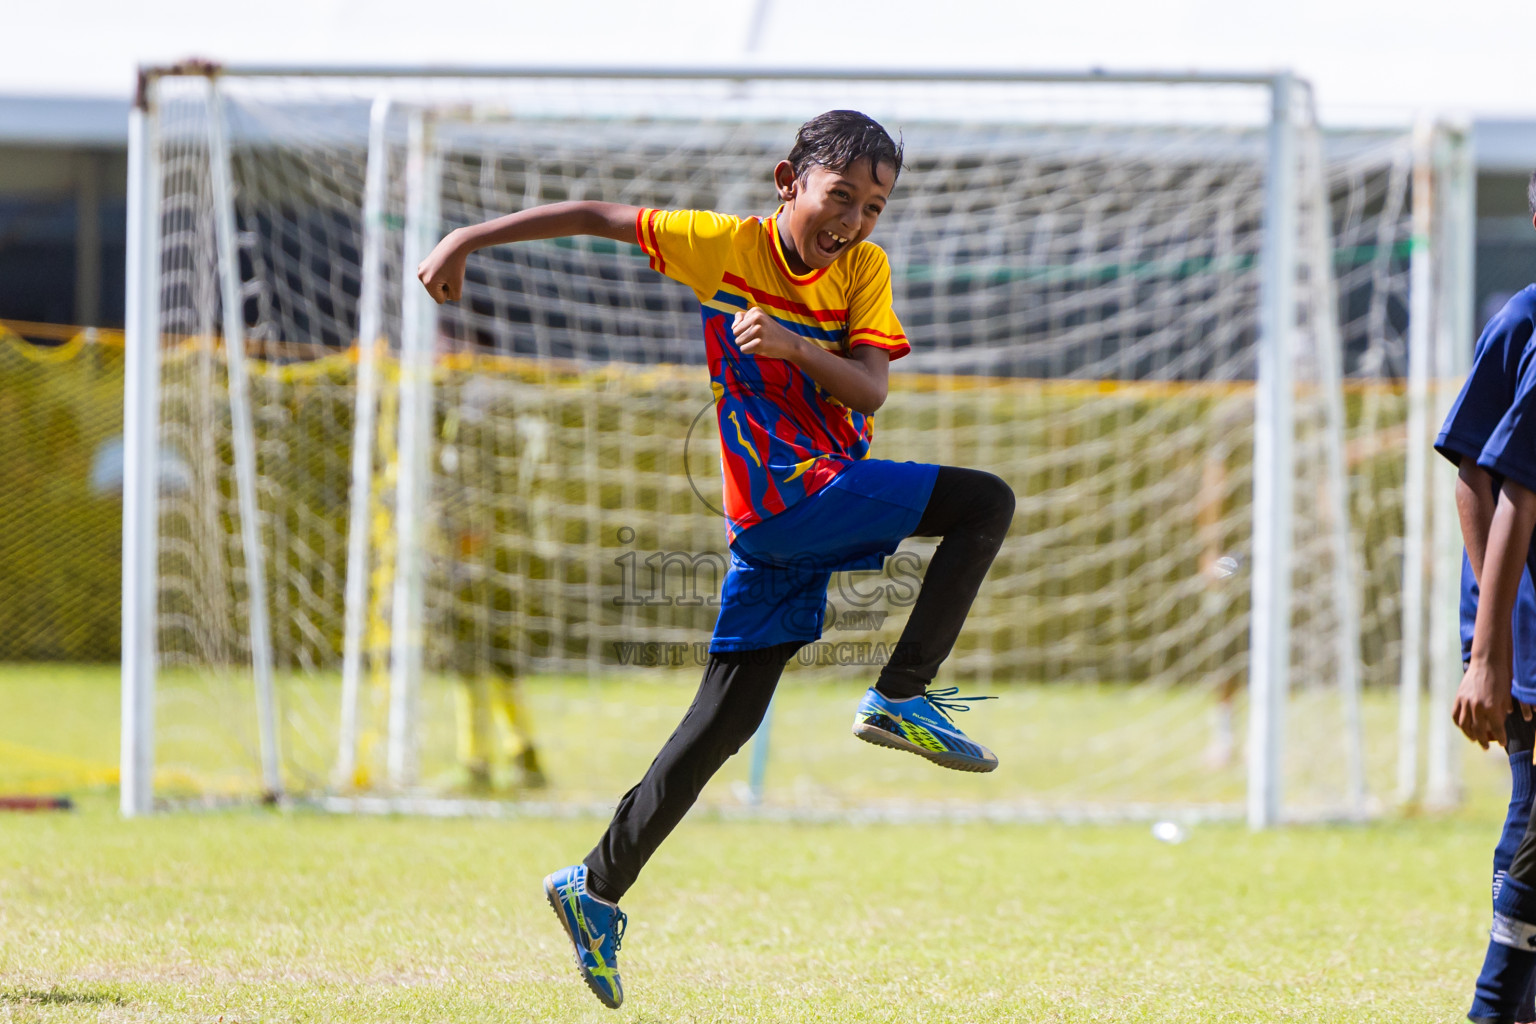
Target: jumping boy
1491, 435
799, 333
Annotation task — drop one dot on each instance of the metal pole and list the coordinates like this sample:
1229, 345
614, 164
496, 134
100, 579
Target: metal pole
1269, 648
1454, 213
418, 332
1420, 357
758, 776
141, 431
736, 72
370, 336
1330, 356
757, 24
244, 439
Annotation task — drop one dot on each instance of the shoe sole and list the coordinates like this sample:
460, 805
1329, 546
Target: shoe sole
586, 976
943, 758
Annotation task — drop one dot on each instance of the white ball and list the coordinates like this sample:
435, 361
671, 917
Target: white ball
1168, 832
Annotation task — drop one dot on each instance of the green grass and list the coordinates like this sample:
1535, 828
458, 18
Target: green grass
1060, 745
268, 916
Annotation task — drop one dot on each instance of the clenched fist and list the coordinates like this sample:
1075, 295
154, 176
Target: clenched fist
759, 334
442, 272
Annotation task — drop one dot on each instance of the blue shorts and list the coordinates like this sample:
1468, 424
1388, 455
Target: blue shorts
775, 590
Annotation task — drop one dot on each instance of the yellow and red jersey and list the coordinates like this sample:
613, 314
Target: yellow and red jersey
782, 436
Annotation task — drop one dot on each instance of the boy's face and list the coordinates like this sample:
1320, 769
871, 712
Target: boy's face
827, 212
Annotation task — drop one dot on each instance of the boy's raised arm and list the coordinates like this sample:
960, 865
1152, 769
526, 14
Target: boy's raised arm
442, 272
1483, 699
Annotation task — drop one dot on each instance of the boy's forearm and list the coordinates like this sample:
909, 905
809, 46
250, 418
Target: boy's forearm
1475, 503
557, 220
849, 380
1509, 537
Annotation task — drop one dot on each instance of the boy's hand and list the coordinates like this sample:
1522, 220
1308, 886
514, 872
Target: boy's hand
759, 334
1482, 703
442, 272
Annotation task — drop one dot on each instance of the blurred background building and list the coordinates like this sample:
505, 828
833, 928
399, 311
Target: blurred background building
64, 91
63, 176
63, 173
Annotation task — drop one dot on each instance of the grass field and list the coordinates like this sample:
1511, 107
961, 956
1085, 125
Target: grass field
1063, 746
264, 915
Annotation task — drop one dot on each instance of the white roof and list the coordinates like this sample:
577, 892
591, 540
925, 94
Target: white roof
1505, 145
63, 121
1368, 58
1371, 61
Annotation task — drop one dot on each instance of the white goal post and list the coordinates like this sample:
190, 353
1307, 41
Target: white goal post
1171, 310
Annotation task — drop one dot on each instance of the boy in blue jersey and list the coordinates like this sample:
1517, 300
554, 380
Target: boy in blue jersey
1491, 435
799, 332
1520, 737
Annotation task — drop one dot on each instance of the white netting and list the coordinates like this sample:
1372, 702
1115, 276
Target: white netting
1079, 268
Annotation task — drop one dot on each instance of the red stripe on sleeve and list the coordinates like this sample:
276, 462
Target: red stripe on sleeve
895, 349
878, 334
658, 261
648, 245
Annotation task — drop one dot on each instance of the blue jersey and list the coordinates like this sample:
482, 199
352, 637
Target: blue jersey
1493, 421
1524, 628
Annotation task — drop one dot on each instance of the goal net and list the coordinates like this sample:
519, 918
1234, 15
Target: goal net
420, 542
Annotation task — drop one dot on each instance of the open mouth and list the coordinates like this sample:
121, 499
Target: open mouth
829, 243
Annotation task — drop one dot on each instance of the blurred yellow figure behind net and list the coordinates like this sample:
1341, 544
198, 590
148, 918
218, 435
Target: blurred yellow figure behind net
495, 734
495, 742
61, 479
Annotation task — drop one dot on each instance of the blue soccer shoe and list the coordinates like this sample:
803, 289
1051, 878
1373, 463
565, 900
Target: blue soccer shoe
596, 930
923, 726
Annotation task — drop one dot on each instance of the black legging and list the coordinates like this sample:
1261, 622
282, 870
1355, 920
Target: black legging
971, 510
1503, 990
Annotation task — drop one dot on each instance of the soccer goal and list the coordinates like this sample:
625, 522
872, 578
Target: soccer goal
1171, 311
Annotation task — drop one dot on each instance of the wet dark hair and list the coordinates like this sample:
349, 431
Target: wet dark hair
839, 139
1530, 193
